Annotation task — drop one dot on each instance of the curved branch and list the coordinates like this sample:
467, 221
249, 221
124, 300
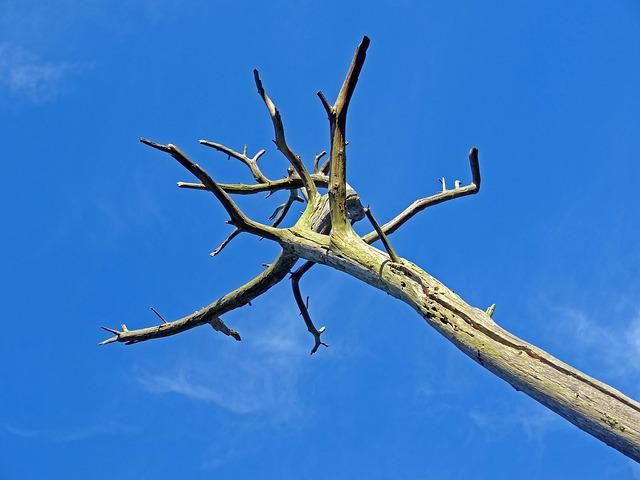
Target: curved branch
243, 295
277, 217
281, 211
316, 161
419, 205
237, 217
304, 307
251, 163
281, 142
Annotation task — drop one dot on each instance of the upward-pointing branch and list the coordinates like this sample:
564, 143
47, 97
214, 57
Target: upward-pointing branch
281, 142
338, 127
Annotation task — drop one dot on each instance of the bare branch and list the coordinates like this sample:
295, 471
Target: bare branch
316, 161
288, 183
236, 231
158, 315
383, 237
251, 163
238, 218
219, 325
281, 142
419, 205
327, 106
235, 299
304, 306
350, 81
338, 126
282, 210
326, 167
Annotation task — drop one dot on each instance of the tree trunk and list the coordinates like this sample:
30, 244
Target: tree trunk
591, 405
324, 234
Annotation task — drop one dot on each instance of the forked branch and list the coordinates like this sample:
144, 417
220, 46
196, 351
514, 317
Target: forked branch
250, 162
337, 114
237, 217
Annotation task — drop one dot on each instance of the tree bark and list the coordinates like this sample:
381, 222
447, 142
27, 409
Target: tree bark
323, 234
591, 405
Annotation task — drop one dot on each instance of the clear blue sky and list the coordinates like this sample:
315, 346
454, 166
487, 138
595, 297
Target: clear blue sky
95, 232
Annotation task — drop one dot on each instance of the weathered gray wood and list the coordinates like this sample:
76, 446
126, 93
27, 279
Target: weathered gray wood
593, 406
323, 234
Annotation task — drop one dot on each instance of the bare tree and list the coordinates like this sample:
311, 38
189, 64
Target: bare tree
324, 235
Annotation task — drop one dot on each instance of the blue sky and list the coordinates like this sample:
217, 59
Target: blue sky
95, 232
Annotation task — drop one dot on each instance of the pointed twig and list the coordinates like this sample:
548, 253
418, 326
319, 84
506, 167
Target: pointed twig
158, 314
338, 128
316, 161
220, 326
419, 205
235, 299
281, 211
236, 231
304, 306
251, 163
281, 142
326, 167
491, 309
237, 217
325, 104
383, 237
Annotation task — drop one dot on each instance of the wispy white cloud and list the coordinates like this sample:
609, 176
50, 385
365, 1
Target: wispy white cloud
534, 420
260, 375
614, 345
24, 73
69, 435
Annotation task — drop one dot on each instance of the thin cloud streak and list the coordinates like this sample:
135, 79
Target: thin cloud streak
261, 376
24, 73
617, 348
72, 435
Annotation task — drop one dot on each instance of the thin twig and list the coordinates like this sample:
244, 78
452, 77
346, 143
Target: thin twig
251, 163
158, 314
316, 161
383, 237
288, 183
304, 307
236, 231
237, 217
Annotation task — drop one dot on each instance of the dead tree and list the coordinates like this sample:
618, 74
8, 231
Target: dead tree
324, 235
